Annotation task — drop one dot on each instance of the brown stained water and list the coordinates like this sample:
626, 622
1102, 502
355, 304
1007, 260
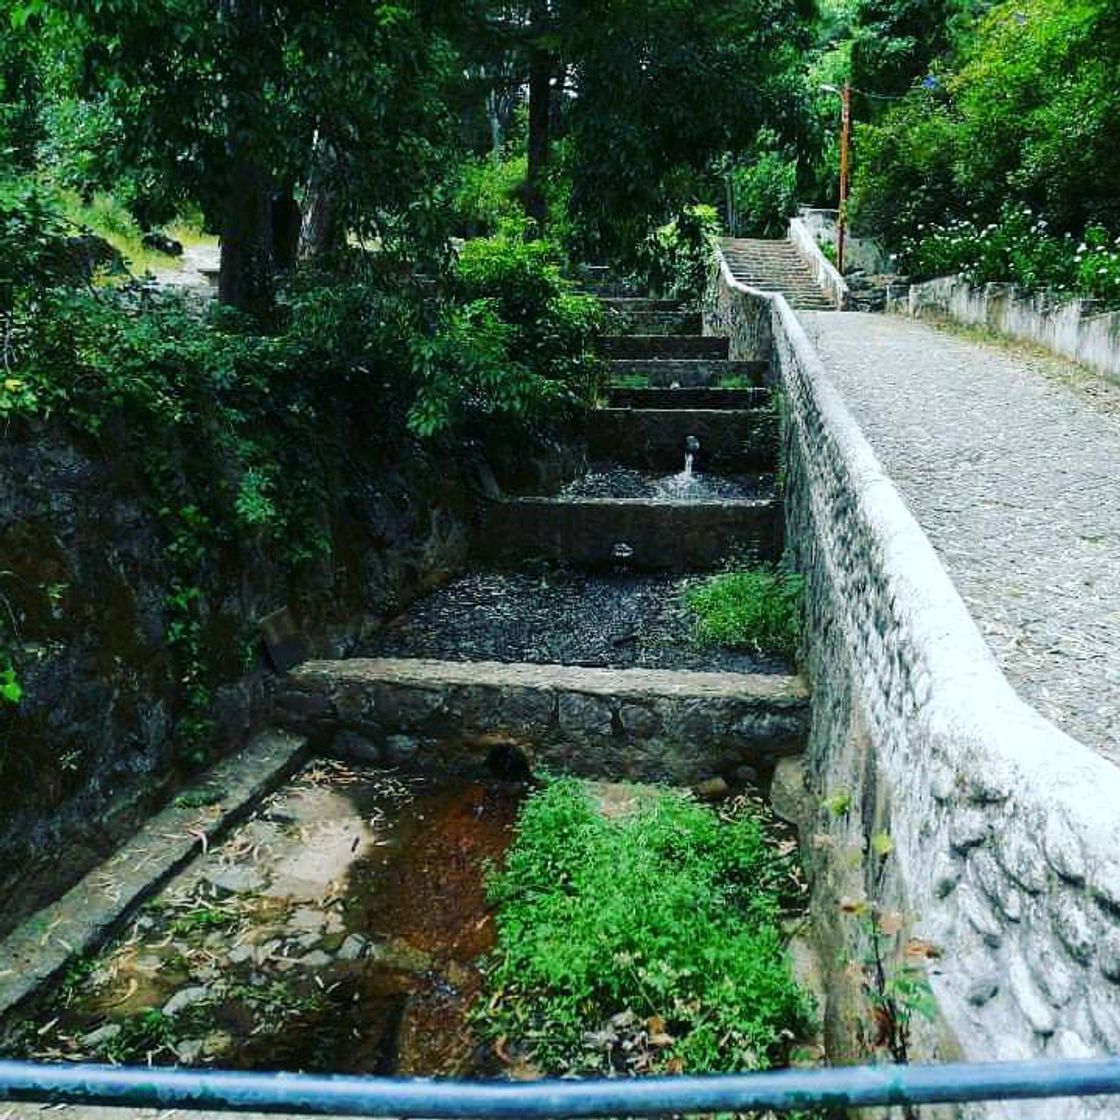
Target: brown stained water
339, 929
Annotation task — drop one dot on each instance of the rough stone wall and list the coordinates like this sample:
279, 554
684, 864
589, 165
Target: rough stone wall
930, 790
1071, 328
86, 579
745, 322
646, 725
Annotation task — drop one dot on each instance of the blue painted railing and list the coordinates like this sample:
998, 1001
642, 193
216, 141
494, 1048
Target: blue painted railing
847, 1087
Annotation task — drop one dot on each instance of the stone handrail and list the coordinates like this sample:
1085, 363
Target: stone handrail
1002, 833
824, 271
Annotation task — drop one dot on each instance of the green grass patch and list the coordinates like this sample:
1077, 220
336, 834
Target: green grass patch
643, 943
758, 609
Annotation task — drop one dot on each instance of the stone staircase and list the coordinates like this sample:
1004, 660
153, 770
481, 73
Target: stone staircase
579, 663
775, 266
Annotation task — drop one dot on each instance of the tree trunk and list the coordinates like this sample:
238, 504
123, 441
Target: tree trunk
245, 279
540, 111
286, 218
320, 233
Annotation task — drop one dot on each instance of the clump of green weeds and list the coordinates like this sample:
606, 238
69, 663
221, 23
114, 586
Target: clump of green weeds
646, 942
757, 609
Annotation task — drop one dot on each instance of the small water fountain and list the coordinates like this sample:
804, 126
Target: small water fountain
622, 554
691, 447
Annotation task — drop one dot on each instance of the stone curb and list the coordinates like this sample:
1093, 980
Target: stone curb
621, 683
87, 915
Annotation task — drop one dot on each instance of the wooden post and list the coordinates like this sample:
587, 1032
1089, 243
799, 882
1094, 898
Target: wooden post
845, 141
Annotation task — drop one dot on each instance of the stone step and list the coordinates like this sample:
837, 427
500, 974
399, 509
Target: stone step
643, 725
653, 323
688, 373
776, 266
655, 347
732, 441
675, 535
756, 397
641, 304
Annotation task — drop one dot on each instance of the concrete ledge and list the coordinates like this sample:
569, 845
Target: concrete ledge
638, 724
731, 441
1072, 328
86, 916
824, 271
755, 397
676, 535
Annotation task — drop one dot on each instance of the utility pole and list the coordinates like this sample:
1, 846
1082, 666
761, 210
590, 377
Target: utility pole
845, 142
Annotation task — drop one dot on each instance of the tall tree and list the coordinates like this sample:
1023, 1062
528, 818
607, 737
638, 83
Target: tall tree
231, 103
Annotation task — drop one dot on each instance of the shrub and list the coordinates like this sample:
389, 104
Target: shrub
762, 192
517, 344
489, 194
665, 920
758, 609
675, 257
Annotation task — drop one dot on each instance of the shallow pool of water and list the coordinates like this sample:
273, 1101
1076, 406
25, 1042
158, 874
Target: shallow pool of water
339, 929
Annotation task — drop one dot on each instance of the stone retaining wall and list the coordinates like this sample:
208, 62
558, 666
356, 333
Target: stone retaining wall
1071, 328
930, 791
645, 725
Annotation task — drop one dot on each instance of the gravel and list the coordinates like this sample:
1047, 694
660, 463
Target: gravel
1011, 463
556, 615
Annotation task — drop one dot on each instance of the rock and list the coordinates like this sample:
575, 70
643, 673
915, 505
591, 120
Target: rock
160, 242
189, 1050
353, 948
96, 1039
216, 1043
241, 954
315, 959
236, 880
355, 748
711, 789
184, 998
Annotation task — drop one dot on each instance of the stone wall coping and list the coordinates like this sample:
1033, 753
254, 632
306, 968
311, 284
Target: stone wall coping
970, 701
826, 273
563, 678
636, 503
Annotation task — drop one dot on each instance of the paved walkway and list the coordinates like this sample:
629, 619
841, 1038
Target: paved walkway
1011, 463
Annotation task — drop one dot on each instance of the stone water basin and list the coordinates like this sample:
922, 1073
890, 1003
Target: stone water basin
339, 929
608, 480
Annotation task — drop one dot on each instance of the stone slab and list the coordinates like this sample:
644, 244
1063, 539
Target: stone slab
676, 535
660, 397
616, 724
732, 441
688, 372
87, 915
662, 346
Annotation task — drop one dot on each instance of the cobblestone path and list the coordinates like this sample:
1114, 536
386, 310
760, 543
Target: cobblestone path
1011, 463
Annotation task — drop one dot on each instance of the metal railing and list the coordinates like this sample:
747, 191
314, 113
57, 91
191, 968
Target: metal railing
842, 1088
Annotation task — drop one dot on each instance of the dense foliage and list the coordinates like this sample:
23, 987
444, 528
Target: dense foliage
1002, 163
660, 928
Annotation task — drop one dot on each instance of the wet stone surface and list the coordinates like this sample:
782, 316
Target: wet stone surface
606, 480
560, 615
339, 930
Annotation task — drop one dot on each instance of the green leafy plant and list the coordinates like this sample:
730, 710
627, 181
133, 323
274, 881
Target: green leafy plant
518, 345
676, 256
663, 923
757, 609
